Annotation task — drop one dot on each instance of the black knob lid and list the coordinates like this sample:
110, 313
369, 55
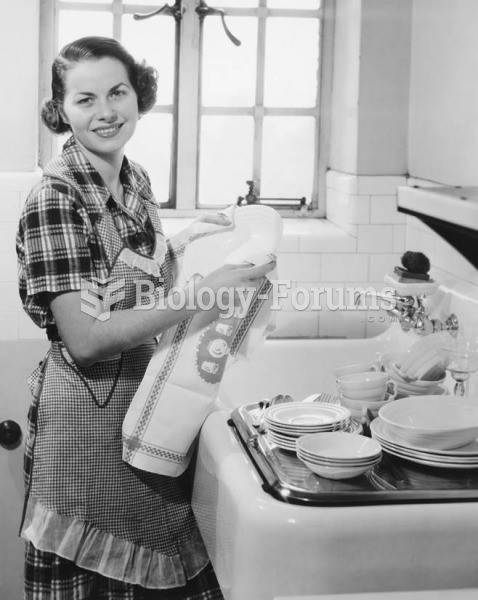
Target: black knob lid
10, 433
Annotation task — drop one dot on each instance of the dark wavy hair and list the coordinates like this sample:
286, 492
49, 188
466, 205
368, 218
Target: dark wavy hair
143, 78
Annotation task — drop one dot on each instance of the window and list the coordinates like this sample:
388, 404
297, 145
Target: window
240, 94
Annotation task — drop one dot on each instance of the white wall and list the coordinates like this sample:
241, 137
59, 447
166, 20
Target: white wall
443, 127
371, 87
19, 74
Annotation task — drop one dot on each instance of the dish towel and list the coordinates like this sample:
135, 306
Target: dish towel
182, 381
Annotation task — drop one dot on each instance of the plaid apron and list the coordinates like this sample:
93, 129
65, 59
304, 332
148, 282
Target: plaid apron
84, 503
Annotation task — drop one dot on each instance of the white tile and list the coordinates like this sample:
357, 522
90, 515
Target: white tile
399, 238
358, 211
380, 185
298, 266
27, 330
8, 325
383, 210
289, 242
19, 182
9, 297
8, 266
345, 267
9, 206
375, 238
382, 264
296, 324
8, 232
343, 182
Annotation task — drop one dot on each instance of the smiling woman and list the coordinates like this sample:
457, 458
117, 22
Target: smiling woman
90, 222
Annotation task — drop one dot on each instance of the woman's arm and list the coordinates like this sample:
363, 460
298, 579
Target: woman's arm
89, 339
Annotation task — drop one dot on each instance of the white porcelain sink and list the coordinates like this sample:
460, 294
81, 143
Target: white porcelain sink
263, 548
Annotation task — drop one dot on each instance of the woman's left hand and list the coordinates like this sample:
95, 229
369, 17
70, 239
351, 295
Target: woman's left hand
195, 229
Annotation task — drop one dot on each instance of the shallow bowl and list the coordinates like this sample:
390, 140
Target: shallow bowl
334, 472
338, 445
433, 421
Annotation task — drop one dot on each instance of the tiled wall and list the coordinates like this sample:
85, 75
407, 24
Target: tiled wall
318, 260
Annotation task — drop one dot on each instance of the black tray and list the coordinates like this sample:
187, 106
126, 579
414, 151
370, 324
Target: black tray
393, 480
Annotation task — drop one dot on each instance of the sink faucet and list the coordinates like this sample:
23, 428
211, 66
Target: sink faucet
411, 313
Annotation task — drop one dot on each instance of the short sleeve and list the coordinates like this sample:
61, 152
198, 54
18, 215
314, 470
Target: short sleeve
52, 246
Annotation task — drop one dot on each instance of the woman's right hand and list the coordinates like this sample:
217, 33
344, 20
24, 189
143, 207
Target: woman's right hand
231, 286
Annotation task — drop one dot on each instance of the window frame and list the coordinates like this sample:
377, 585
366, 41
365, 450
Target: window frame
188, 111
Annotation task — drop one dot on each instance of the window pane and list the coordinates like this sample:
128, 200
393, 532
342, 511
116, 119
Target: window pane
151, 147
153, 40
229, 71
225, 159
304, 4
292, 54
74, 24
238, 4
288, 157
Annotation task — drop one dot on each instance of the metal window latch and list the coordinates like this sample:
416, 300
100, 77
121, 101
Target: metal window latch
173, 11
203, 10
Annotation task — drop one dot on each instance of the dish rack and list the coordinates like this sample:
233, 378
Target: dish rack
393, 480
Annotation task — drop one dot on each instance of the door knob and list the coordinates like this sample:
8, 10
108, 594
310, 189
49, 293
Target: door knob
10, 433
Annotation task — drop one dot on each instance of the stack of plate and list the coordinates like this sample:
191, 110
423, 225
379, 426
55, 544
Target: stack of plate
409, 386
286, 422
338, 455
465, 457
439, 431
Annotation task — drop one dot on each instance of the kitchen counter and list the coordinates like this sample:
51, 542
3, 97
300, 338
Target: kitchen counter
263, 548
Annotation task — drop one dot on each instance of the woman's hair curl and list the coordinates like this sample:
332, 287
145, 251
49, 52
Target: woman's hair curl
143, 77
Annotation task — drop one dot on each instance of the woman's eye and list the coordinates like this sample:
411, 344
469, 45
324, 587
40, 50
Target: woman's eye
85, 101
118, 93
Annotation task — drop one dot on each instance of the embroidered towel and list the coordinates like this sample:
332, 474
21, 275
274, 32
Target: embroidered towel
182, 382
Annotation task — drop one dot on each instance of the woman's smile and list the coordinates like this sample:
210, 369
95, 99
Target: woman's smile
101, 107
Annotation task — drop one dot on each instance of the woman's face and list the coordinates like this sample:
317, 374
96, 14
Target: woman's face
100, 105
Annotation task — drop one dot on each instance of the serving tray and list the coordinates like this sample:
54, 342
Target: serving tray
393, 480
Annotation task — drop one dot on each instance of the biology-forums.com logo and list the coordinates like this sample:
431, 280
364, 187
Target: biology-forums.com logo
98, 296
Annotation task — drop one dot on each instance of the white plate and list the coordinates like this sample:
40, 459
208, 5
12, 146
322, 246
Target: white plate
298, 414
256, 232
303, 430
429, 462
385, 435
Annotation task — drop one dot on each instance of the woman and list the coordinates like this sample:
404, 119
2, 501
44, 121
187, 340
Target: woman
95, 527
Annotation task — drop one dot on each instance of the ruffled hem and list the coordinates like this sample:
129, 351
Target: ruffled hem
110, 556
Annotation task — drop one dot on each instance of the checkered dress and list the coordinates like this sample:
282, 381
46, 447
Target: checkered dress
84, 503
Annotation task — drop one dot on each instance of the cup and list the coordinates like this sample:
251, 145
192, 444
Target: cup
358, 407
368, 385
356, 368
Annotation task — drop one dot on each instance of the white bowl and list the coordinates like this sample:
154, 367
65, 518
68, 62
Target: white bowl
338, 445
355, 368
338, 472
371, 383
256, 232
437, 421
358, 407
